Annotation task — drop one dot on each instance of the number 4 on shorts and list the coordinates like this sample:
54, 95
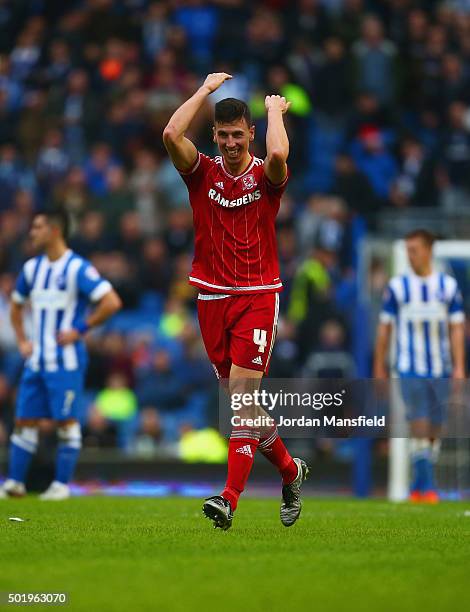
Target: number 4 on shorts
260, 338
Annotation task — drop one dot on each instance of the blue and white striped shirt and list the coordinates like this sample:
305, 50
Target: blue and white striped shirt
422, 309
59, 292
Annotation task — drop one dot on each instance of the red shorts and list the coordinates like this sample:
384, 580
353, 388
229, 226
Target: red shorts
238, 329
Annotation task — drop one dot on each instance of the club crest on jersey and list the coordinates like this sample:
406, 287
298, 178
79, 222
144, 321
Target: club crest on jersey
248, 182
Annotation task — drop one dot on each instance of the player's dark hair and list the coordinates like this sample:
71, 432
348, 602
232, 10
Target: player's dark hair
230, 110
59, 218
425, 235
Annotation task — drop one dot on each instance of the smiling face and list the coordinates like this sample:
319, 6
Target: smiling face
233, 140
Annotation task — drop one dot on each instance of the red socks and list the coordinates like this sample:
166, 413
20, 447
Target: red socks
241, 453
272, 447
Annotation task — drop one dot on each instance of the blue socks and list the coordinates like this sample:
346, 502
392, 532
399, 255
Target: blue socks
423, 467
23, 445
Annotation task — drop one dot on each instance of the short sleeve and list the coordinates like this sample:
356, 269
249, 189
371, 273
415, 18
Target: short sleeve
22, 289
278, 189
24, 282
389, 310
91, 284
455, 309
198, 170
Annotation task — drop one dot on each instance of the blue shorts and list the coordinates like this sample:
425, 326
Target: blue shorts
50, 395
425, 398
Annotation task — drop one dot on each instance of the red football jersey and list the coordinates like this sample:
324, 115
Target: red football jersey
234, 222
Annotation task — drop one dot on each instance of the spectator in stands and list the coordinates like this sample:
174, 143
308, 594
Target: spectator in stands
117, 201
14, 175
155, 271
79, 111
454, 84
73, 194
130, 238
32, 125
455, 159
12, 89
264, 43
155, 28
179, 233
96, 167
52, 163
297, 121
302, 62
92, 235
369, 112
309, 20
115, 406
352, 186
200, 22
311, 301
170, 186
333, 82
149, 434
12, 232
415, 184
285, 359
25, 55
122, 272
373, 159
431, 65
59, 63
144, 186
160, 385
347, 24
330, 359
375, 58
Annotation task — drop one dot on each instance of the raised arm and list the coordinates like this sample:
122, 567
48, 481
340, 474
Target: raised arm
181, 150
277, 143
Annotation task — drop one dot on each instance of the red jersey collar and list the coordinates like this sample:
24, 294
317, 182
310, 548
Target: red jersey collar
247, 169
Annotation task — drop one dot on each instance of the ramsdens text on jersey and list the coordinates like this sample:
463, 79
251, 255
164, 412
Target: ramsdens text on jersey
246, 199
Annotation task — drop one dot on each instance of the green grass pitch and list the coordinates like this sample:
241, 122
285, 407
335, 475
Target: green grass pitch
160, 554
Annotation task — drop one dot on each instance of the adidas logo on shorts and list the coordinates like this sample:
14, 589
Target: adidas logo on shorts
257, 360
245, 450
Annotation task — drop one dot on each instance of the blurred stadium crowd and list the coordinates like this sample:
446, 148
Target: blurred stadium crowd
380, 120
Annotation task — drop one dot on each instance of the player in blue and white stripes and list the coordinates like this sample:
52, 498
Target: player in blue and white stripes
425, 306
59, 285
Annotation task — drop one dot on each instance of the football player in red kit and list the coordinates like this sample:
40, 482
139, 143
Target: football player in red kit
235, 198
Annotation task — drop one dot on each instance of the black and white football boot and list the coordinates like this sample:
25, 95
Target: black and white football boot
218, 510
291, 502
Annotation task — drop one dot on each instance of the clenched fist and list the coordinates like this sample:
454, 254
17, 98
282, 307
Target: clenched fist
214, 80
276, 102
